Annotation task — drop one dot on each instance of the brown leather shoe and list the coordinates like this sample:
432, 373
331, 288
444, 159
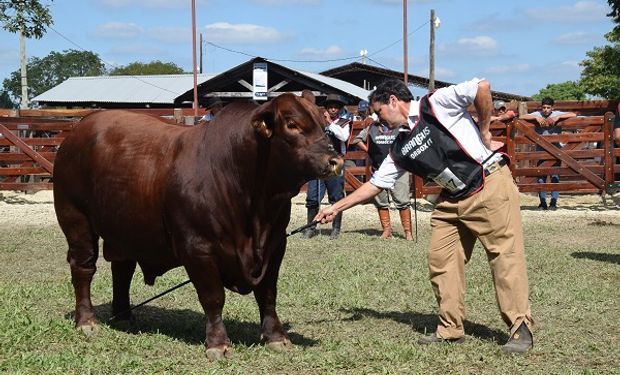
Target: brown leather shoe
520, 342
434, 339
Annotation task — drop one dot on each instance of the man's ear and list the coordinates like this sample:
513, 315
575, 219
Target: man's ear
262, 120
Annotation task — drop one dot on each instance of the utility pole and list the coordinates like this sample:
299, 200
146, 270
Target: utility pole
200, 53
25, 103
405, 54
435, 22
194, 58
431, 54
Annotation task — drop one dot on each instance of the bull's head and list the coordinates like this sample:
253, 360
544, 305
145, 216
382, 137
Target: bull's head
294, 126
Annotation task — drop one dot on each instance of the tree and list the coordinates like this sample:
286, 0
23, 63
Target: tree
568, 90
29, 16
45, 73
152, 68
601, 70
5, 100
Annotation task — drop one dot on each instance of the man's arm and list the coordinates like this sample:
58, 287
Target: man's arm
484, 108
551, 120
360, 140
361, 194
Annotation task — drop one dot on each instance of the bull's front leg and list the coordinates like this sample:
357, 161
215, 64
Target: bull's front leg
273, 334
205, 276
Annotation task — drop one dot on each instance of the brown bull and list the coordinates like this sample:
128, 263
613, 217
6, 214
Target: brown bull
215, 199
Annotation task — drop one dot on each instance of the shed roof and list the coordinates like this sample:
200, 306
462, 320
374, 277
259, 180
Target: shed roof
235, 83
360, 74
147, 89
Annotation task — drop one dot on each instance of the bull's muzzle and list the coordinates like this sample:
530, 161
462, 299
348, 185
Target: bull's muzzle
336, 164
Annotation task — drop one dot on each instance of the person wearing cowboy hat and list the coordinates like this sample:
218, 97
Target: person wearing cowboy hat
338, 130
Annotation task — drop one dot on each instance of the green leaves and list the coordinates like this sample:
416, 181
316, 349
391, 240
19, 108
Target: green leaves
30, 16
47, 72
154, 67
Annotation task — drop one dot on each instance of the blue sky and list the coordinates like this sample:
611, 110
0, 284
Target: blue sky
520, 46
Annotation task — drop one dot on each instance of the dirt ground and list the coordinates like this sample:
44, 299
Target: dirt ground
38, 209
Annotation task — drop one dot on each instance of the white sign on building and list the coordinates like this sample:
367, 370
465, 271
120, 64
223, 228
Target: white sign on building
259, 81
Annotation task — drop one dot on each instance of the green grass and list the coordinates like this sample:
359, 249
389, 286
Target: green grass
357, 305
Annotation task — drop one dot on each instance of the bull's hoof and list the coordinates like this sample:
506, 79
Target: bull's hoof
89, 329
219, 353
279, 346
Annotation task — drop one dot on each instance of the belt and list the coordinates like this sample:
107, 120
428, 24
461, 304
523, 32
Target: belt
494, 167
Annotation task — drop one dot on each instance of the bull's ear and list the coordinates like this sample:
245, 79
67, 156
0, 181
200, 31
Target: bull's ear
262, 121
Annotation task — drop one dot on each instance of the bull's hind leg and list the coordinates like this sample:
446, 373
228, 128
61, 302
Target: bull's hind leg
122, 273
82, 257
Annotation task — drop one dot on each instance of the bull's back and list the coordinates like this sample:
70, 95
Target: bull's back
113, 169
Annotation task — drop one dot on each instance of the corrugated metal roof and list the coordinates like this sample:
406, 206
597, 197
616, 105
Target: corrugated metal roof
338, 84
161, 89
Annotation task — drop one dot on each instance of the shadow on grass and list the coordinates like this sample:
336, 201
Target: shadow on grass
601, 257
426, 323
187, 325
577, 207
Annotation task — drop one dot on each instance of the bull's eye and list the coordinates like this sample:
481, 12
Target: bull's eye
292, 125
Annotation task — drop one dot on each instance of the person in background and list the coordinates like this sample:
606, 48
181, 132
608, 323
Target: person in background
338, 131
362, 111
376, 139
547, 124
500, 113
212, 107
438, 140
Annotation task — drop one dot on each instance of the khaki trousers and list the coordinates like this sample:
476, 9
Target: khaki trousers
493, 216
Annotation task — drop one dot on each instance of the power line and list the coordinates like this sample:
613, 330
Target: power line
319, 61
113, 65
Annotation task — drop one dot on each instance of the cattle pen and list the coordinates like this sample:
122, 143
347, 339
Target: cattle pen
586, 163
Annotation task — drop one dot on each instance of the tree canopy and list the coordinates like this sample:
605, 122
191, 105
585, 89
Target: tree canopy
30, 16
152, 68
568, 90
601, 70
45, 73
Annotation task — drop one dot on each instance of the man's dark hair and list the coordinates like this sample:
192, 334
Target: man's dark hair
548, 101
390, 87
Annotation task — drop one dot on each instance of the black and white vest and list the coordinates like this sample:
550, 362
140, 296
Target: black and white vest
379, 142
430, 151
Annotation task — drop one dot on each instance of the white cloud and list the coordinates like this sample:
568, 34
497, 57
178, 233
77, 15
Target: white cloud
327, 53
118, 30
468, 47
578, 37
287, 2
508, 69
153, 4
580, 11
224, 32
442, 74
479, 43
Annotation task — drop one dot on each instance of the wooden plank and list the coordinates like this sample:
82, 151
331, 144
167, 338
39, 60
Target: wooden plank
40, 126
598, 169
16, 158
560, 186
8, 171
542, 142
26, 149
